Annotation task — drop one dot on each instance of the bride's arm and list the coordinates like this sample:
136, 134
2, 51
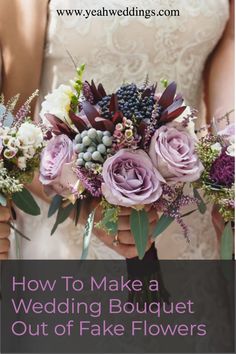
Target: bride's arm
219, 74
219, 88
22, 33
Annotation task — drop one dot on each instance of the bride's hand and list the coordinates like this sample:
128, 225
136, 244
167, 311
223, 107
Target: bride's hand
4, 232
125, 245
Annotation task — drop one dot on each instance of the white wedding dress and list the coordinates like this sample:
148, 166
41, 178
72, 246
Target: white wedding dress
117, 49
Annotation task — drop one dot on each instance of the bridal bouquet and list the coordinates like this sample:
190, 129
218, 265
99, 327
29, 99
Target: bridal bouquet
21, 143
216, 152
131, 148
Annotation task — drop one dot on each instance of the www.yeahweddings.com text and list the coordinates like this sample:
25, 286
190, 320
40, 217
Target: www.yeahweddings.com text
98, 314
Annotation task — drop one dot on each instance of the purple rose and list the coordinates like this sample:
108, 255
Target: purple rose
56, 165
172, 151
130, 179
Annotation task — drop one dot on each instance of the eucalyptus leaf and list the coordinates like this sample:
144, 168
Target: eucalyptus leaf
226, 249
87, 234
25, 202
139, 228
77, 211
201, 205
55, 205
162, 224
62, 214
3, 200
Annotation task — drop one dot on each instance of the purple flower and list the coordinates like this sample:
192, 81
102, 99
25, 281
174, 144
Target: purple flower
172, 151
222, 170
56, 167
130, 179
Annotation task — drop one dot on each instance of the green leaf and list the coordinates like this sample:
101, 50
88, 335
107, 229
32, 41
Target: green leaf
139, 228
109, 222
25, 201
201, 206
3, 200
62, 215
77, 211
55, 205
162, 224
87, 234
112, 227
226, 250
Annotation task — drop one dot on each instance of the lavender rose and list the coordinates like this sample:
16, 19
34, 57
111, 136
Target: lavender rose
172, 151
130, 179
56, 165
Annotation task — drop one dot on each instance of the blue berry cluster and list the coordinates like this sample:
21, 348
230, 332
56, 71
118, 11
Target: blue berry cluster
92, 146
131, 103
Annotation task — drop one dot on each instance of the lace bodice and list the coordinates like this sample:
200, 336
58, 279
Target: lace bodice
117, 49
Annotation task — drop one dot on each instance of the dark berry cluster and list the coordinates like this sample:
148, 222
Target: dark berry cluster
128, 99
104, 106
146, 107
131, 103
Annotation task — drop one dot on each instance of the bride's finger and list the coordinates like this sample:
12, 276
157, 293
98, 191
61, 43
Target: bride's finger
126, 237
4, 245
4, 230
124, 221
5, 214
125, 211
127, 251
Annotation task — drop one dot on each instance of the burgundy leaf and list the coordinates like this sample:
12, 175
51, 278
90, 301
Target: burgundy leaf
101, 90
58, 126
168, 95
178, 96
102, 124
117, 117
48, 135
78, 122
176, 104
89, 110
113, 106
97, 96
169, 116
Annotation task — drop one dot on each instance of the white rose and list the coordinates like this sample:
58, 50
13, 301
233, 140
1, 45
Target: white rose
21, 162
58, 103
30, 135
